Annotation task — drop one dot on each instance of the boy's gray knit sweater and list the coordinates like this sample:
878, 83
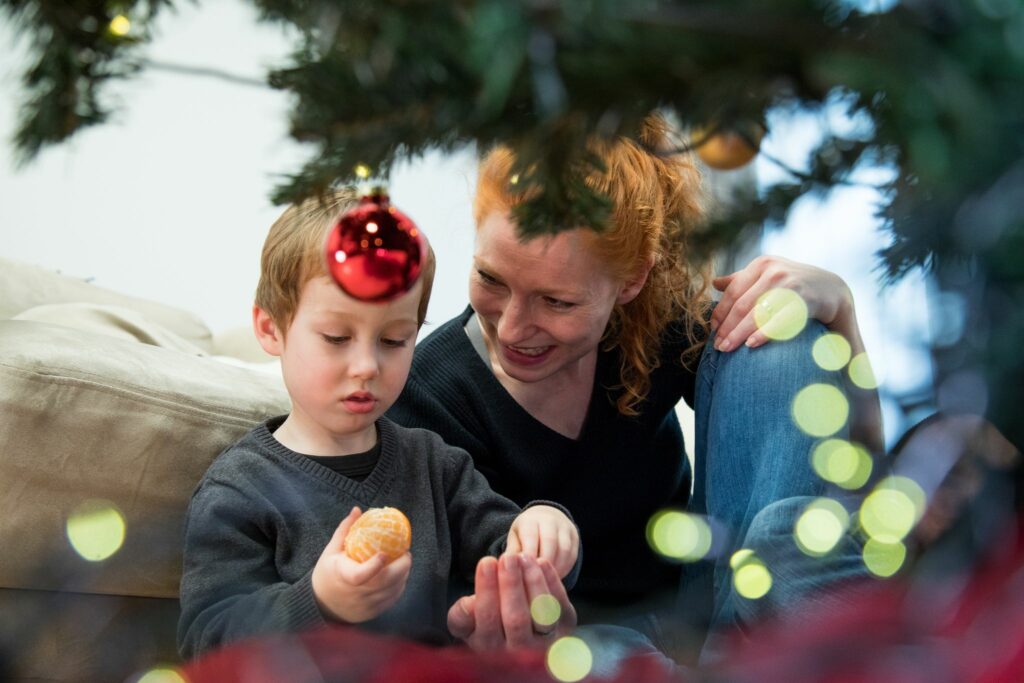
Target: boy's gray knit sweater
263, 514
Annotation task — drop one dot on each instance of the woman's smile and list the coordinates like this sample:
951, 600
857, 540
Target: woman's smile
527, 355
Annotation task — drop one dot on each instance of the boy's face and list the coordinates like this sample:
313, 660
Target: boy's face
344, 363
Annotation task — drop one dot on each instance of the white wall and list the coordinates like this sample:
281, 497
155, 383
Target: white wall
169, 200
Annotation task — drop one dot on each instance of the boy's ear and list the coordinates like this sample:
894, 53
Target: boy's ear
267, 332
633, 285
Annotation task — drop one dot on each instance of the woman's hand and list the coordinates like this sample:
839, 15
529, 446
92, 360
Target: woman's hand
828, 300
498, 614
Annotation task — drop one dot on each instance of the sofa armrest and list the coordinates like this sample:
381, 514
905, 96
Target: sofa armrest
88, 416
24, 286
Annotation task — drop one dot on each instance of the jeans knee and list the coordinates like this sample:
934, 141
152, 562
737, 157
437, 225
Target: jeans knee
777, 363
796, 352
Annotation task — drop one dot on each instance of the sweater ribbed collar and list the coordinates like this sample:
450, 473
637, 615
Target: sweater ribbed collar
366, 490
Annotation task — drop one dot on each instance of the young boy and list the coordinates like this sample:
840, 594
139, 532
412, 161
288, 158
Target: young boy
264, 550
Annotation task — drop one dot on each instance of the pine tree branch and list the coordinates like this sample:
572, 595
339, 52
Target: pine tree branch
205, 72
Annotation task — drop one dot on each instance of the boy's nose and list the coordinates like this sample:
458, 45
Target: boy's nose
364, 364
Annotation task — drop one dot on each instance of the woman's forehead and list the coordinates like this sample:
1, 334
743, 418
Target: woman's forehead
564, 262
498, 237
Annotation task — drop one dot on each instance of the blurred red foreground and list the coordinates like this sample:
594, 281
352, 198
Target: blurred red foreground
961, 630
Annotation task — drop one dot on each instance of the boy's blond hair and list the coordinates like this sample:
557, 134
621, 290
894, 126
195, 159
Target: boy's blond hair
293, 254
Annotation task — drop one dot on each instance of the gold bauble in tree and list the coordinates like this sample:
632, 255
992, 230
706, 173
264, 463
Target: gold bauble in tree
728, 147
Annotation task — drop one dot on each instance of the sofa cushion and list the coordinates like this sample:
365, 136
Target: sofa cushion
87, 416
24, 286
241, 343
115, 321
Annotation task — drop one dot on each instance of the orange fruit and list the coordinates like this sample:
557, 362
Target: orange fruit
379, 530
728, 148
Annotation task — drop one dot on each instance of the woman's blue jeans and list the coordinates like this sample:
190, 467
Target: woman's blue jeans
753, 478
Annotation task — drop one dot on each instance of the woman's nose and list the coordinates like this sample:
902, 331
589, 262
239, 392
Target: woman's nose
516, 322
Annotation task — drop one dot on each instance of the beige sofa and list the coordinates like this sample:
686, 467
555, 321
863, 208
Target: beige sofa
111, 408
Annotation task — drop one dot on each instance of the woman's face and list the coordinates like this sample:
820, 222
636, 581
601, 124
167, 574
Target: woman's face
543, 304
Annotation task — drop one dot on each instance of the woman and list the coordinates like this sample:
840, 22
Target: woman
562, 377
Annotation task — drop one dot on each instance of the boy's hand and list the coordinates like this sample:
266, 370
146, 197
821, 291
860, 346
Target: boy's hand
353, 591
544, 532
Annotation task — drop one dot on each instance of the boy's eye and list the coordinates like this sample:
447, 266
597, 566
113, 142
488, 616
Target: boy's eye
330, 339
487, 278
395, 343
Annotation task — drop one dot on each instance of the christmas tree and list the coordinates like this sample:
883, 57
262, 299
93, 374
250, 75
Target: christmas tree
939, 85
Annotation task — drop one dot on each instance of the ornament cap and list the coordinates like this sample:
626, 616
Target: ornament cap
375, 193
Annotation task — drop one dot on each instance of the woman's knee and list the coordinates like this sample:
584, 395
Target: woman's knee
796, 354
774, 371
777, 364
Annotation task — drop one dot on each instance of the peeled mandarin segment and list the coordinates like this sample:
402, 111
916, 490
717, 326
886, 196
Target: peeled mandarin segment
379, 530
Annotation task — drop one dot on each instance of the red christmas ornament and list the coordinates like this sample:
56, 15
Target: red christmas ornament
375, 252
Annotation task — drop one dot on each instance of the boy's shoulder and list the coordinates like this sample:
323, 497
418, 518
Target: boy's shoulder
411, 437
247, 455
421, 444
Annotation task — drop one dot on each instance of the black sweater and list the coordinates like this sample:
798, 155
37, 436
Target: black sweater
618, 473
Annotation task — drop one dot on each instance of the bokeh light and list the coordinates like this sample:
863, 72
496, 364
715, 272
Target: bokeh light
861, 372
843, 463
821, 526
120, 25
831, 351
679, 535
884, 559
780, 314
362, 171
96, 529
750, 576
162, 675
740, 556
820, 409
569, 659
890, 511
545, 609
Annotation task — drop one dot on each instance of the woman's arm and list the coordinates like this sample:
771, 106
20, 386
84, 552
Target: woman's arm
829, 300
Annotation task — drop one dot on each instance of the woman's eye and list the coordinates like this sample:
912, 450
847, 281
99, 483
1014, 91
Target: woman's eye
558, 303
330, 339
